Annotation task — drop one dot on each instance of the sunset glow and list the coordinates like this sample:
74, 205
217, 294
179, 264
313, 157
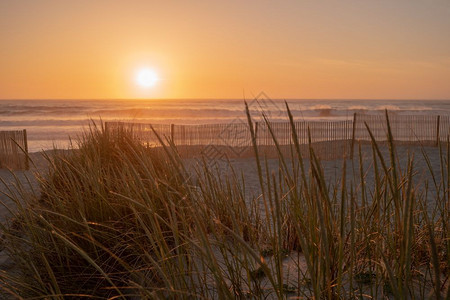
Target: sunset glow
295, 49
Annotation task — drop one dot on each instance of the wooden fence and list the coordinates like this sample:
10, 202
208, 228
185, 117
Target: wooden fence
234, 139
14, 149
426, 129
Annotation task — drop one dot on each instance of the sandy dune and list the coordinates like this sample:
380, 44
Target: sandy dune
27, 181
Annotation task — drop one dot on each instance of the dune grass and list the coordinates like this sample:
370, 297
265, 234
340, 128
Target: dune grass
115, 219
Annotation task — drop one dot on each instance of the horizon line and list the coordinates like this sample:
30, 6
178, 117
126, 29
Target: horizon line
233, 99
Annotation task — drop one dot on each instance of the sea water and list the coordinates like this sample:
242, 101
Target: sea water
53, 123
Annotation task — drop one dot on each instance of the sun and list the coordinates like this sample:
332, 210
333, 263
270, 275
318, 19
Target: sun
146, 78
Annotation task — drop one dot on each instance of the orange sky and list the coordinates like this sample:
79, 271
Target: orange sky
225, 49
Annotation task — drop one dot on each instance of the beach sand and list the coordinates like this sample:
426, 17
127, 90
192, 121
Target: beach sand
333, 168
11, 182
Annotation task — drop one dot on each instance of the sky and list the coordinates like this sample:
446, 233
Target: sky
225, 49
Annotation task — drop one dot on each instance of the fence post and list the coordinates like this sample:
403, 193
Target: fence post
353, 136
256, 133
25, 145
172, 132
437, 130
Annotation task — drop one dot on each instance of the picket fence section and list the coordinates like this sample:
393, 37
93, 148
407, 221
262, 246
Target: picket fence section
405, 128
14, 149
234, 139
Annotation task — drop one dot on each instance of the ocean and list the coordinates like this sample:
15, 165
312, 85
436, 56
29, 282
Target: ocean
52, 123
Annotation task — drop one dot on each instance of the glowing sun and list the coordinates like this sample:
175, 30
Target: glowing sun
146, 78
